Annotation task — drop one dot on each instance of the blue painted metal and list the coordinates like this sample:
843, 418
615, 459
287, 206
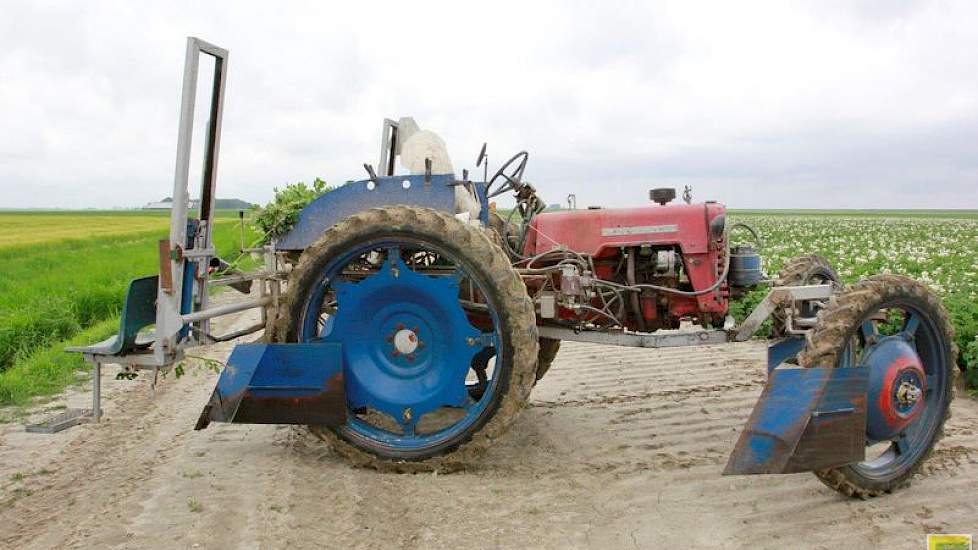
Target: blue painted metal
480, 192
189, 268
781, 351
806, 419
745, 267
368, 313
356, 196
404, 386
909, 444
279, 384
892, 361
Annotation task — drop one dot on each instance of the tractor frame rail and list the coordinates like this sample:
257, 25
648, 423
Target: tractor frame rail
778, 296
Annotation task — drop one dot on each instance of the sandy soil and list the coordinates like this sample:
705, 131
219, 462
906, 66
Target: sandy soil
620, 448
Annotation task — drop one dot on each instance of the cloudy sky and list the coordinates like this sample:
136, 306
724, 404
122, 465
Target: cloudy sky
827, 104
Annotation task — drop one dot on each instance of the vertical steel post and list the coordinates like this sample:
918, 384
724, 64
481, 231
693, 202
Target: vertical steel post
97, 392
168, 314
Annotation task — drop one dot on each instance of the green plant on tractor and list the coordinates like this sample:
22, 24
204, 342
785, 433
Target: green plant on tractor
278, 216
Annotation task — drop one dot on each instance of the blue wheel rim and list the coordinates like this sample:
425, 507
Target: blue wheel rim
927, 340
371, 313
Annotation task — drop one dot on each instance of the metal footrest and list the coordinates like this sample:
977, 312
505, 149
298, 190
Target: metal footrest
63, 421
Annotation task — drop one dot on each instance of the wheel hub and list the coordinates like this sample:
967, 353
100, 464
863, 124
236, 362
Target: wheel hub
405, 343
897, 386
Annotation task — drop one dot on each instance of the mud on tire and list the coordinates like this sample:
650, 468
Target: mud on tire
517, 323
837, 325
548, 352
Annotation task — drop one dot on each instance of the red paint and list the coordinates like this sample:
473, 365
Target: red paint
581, 231
885, 402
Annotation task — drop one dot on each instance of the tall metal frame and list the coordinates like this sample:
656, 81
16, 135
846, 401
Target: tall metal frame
172, 296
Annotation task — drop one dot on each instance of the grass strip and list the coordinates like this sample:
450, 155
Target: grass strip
49, 370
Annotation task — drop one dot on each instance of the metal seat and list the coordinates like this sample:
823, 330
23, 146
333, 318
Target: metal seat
128, 346
138, 312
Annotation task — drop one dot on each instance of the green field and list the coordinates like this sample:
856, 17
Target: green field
63, 276
939, 248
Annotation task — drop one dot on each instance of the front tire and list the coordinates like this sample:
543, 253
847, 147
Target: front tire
860, 319
506, 318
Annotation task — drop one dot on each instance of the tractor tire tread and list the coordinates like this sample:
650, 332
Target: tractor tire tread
548, 352
516, 312
830, 336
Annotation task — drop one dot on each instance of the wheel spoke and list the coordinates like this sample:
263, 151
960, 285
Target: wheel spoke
902, 444
489, 340
408, 427
393, 254
910, 327
869, 331
458, 275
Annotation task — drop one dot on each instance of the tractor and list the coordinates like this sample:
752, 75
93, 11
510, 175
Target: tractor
406, 320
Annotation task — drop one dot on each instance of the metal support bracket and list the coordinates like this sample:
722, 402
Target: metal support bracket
778, 296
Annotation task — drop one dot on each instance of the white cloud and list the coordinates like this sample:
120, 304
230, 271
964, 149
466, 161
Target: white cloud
828, 104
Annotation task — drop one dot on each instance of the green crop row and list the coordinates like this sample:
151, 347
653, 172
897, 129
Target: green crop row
50, 292
941, 252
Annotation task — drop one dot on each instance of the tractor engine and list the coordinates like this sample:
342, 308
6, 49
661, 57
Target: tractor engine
644, 268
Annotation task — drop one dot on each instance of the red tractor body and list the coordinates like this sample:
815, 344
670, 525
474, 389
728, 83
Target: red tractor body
675, 245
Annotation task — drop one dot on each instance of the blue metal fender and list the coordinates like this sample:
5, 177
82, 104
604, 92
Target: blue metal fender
356, 196
280, 384
806, 419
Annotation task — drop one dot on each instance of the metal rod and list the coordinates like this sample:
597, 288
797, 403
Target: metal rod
97, 392
658, 339
195, 253
633, 296
238, 333
225, 310
240, 278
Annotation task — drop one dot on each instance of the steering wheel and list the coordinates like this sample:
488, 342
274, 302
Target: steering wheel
510, 177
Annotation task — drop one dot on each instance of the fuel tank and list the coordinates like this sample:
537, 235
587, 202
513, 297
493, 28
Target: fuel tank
601, 232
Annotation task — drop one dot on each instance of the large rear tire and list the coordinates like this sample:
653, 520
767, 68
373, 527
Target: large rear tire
872, 313
507, 312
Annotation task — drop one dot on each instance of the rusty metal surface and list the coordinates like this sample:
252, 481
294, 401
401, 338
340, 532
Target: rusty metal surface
806, 419
280, 384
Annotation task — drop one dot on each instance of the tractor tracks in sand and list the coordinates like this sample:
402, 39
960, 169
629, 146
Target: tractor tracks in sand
619, 448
